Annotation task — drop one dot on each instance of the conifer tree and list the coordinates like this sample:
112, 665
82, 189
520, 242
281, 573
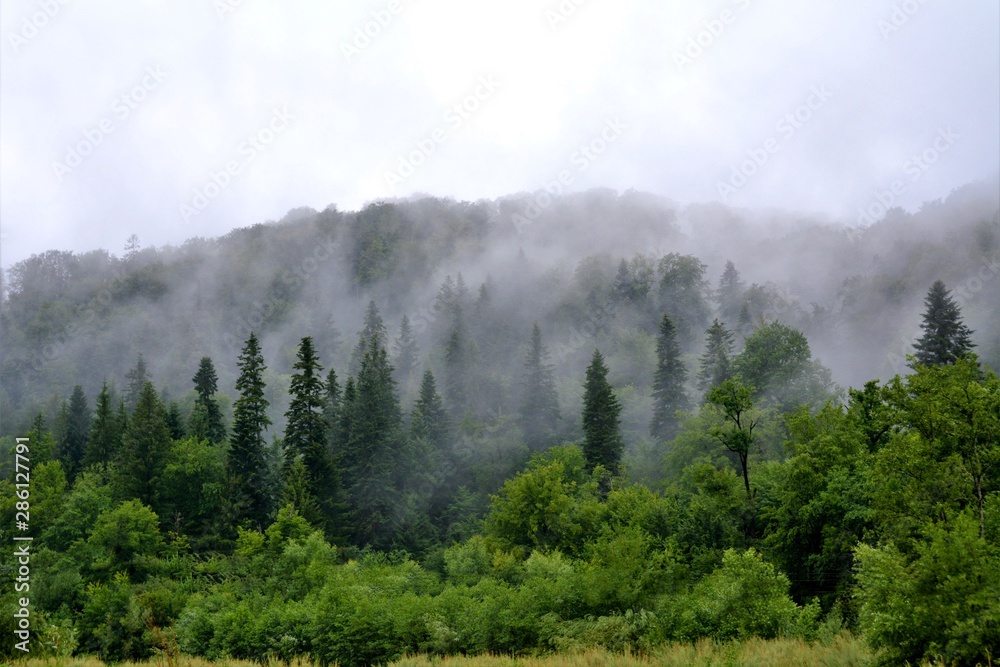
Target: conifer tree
135, 379
343, 433
246, 462
105, 437
373, 449
946, 338
206, 420
306, 431
406, 359
540, 407
175, 423
729, 294
144, 449
429, 420
668, 383
72, 444
717, 357
332, 412
456, 357
373, 329
602, 444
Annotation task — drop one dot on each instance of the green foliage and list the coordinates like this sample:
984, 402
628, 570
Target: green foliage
602, 444
777, 362
946, 338
144, 449
126, 540
668, 383
245, 463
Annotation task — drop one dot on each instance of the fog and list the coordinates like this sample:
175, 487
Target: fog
175, 120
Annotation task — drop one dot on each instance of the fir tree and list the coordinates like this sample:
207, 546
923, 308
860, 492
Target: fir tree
406, 359
729, 294
246, 462
72, 445
105, 437
717, 357
144, 449
373, 329
429, 420
668, 383
540, 407
456, 358
946, 339
306, 430
332, 412
175, 423
602, 444
206, 420
343, 433
135, 379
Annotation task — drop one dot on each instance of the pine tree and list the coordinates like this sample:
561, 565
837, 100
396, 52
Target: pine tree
135, 379
206, 420
429, 420
729, 294
668, 383
144, 449
540, 407
406, 359
717, 357
602, 444
246, 462
306, 430
72, 445
946, 338
105, 437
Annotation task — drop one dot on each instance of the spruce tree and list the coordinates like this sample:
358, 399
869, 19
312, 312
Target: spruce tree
602, 444
373, 329
946, 338
406, 359
373, 450
135, 379
175, 423
717, 358
343, 432
668, 383
729, 294
72, 445
456, 360
144, 450
332, 412
429, 420
105, 437
306, 430
246, 463
540, 406
206, 420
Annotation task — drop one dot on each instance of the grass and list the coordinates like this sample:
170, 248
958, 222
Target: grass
842, 651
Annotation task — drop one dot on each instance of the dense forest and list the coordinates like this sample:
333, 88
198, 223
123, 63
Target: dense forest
451, 427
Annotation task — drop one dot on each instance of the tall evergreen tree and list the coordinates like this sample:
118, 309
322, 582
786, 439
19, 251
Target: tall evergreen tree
331, 412
144, 450
306, 432
105, 437
135, 380
540, 407
72, 444
373, 329
343, 433
429, 420
717, 357
946, 338
246, 462
668, 383
729, 294
602, 444
175, 423
374, 449
406, 359
456, 360
206, 420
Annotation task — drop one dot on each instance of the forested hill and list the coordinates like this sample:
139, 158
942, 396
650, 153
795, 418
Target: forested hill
592, 269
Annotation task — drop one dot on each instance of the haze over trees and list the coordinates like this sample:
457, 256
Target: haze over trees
555, 449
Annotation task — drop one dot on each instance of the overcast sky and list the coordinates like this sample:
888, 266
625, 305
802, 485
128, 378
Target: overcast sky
181, 118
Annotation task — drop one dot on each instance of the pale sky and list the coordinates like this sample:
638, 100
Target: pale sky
123, 117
